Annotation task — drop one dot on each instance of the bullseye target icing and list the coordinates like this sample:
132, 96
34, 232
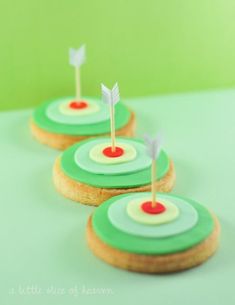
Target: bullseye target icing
77, 164
116, 228
91, 157
68, 111
178, 217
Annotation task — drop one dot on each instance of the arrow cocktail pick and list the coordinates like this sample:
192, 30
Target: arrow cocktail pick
76, 59
111, 97
153, 146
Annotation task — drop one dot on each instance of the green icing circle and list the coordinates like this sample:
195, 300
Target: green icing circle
122, 116
139, 178
150, 246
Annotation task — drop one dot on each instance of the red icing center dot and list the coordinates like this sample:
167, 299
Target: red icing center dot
113, 154
78, 105
147, 208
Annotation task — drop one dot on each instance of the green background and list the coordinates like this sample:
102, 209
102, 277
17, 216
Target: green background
42, 234
151, 46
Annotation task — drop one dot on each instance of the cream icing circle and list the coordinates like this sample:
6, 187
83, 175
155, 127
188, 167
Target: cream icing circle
96, 153
136, 213
58, 111
65, 109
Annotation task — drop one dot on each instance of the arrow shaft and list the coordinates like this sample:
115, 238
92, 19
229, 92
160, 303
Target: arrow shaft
112, 127
77, 84
153, 186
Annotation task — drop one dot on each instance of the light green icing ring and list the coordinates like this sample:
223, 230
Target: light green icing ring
40, 118
151, 246
139, 178
96, 112
141, 161
119, 218
96, 153
92, 107
136, 213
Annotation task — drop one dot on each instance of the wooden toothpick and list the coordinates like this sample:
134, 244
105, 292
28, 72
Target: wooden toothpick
76, 59
112, 128
153, 146
153, 184
111, 98
78, 84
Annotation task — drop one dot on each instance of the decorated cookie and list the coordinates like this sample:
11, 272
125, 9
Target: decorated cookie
150, 231
90, 173
131, 232
94, 170
61, 122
